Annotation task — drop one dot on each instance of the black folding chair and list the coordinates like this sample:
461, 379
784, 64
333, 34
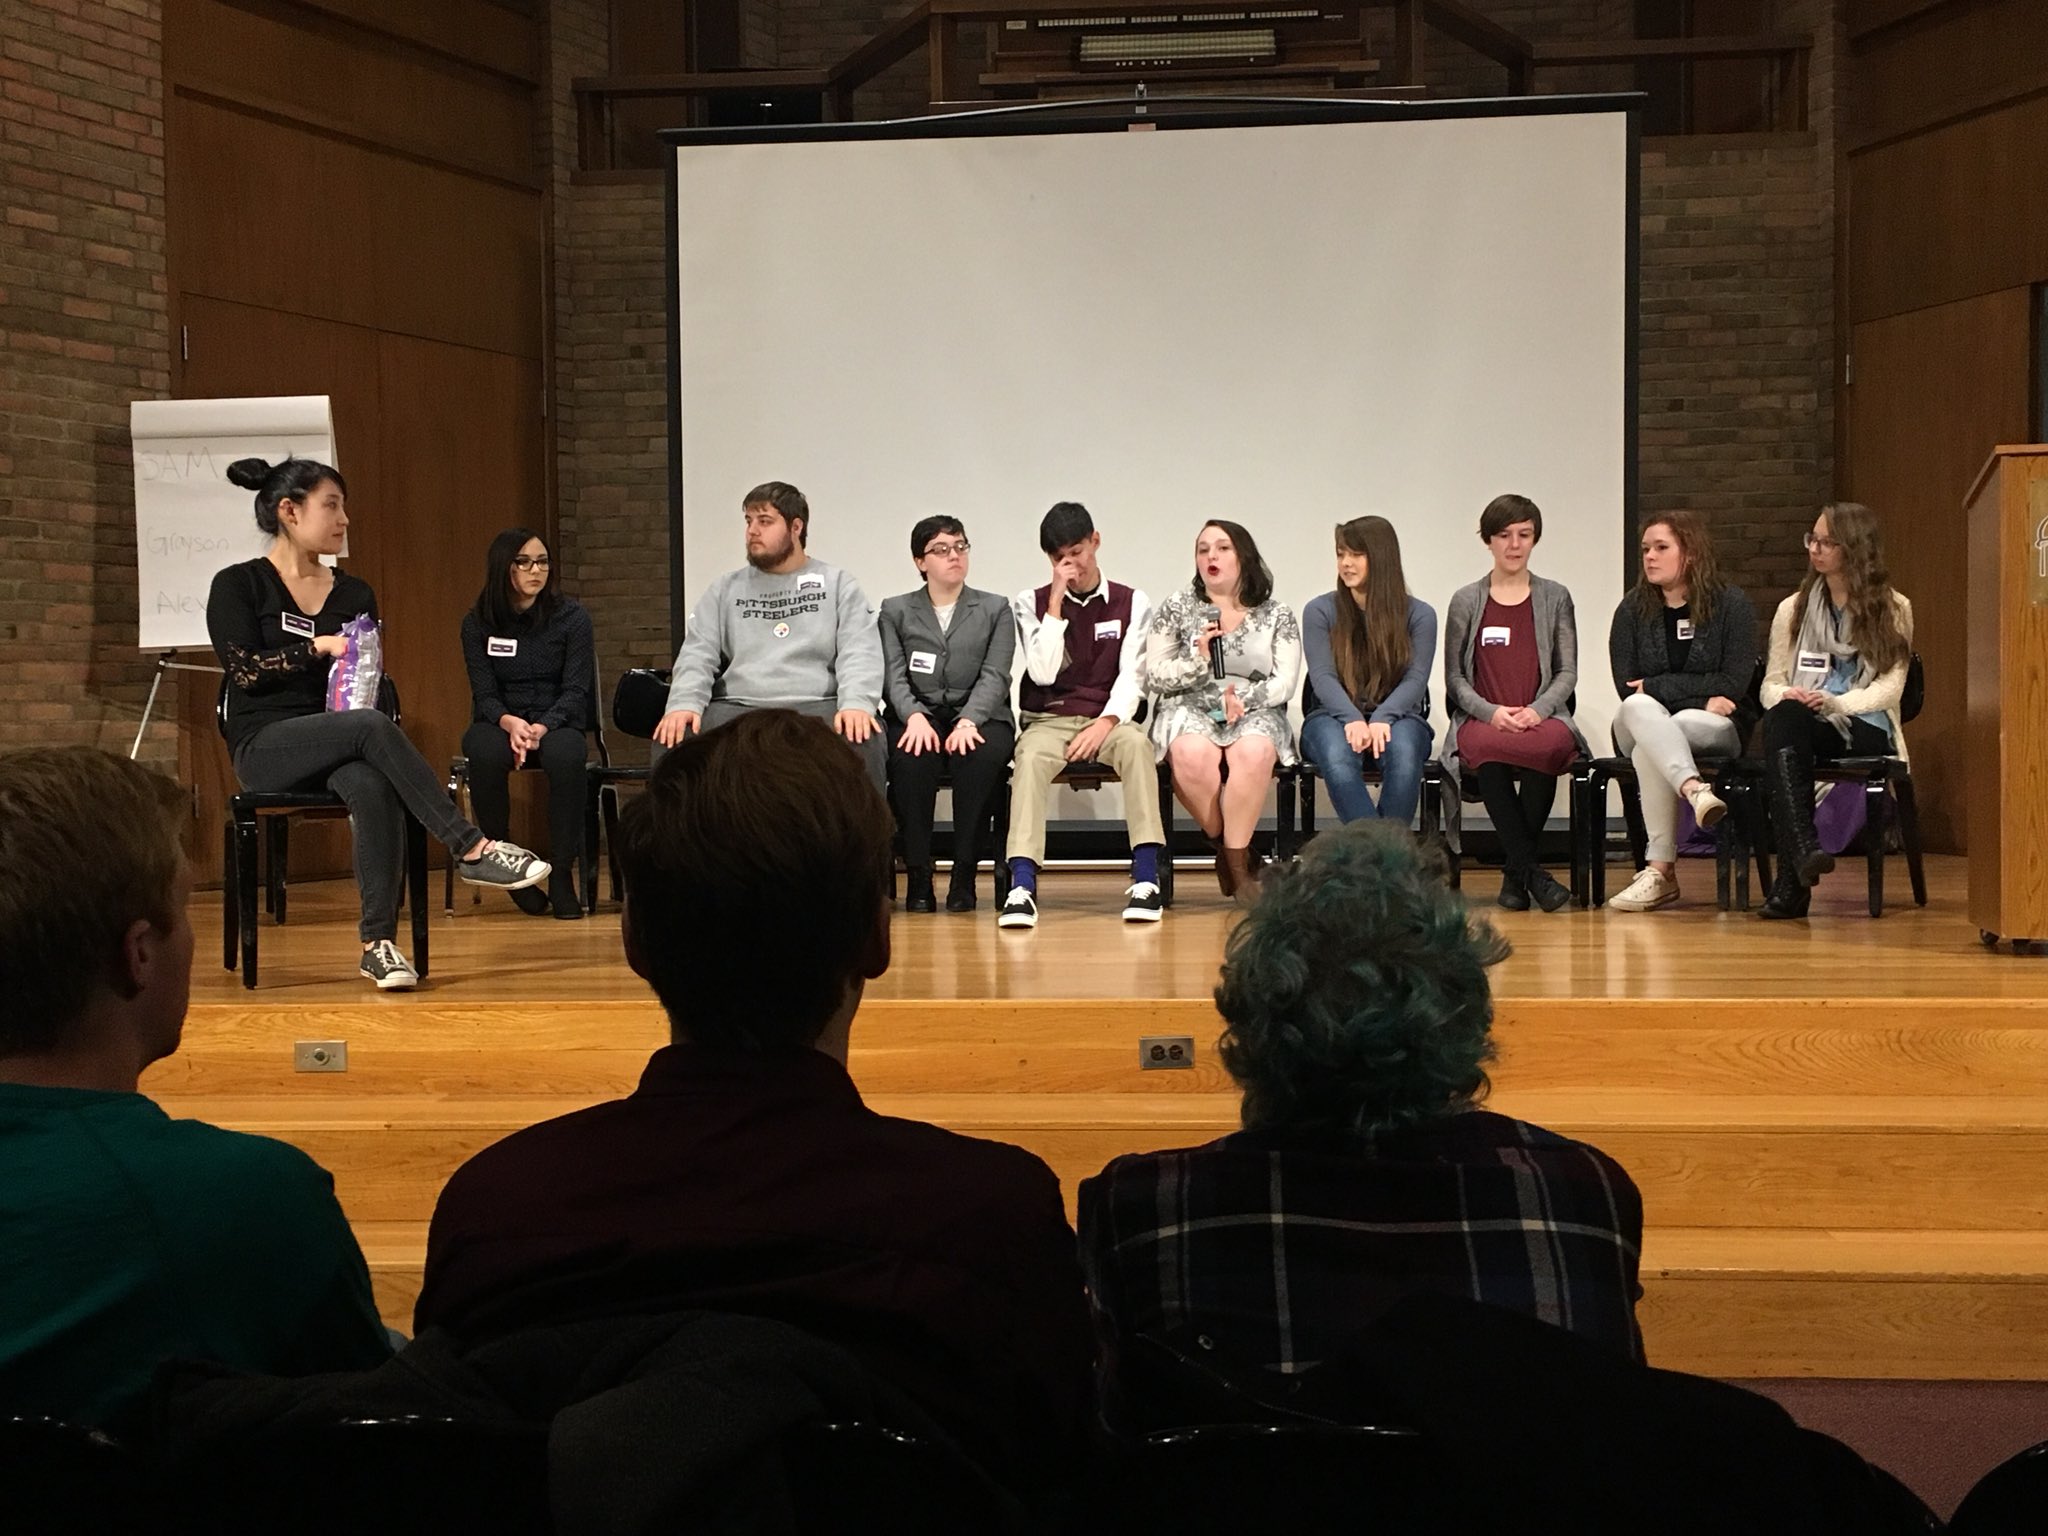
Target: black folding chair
638, 703
251, 858
458, 791
64, 1479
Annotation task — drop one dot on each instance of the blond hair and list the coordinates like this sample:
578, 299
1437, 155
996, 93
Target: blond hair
90, 842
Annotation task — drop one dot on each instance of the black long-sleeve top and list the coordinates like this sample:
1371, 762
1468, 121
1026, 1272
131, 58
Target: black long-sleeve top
265, 647
541, 673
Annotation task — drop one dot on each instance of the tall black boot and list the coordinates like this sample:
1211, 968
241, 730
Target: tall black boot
1799, 848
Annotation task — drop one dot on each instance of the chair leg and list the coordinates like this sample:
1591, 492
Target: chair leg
1724, 871
1579, 835
1307, 825
592, 795
610, 807
276, 857
416, 878
230, 905
248, 880
1909, 834
1283, 819
1876, 797
1632, 817
1596, 835
999, 840
1164, 786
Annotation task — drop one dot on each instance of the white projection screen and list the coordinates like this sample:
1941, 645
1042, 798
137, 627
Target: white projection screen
1384, 308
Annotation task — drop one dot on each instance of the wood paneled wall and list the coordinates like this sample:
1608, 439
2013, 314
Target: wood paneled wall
355, 209
1943, 234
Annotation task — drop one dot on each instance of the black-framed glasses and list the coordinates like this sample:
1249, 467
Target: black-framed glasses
941, 551
1814, 542
529, 562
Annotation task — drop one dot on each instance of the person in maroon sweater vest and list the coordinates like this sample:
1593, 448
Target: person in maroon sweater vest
745, 1175
1083, 638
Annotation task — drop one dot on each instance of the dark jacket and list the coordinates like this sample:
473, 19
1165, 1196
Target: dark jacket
549, 677
761, 1184
969, 660
1722, 660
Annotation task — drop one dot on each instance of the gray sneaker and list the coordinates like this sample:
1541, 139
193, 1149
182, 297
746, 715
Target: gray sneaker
507, 866
389, 969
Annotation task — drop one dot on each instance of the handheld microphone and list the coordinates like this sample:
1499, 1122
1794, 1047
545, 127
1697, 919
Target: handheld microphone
1212, 618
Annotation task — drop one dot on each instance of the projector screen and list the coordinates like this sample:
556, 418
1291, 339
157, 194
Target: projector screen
1391, 309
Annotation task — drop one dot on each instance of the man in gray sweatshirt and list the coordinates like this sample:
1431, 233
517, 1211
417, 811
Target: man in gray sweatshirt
782, 632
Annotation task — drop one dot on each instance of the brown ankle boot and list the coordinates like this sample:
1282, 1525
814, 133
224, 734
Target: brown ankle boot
1226, 881
1234, 870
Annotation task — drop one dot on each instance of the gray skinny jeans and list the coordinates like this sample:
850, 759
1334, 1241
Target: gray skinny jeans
364, 758
1663, 747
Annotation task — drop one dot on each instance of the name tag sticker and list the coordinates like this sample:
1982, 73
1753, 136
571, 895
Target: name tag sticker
812, 580
501, 645
1813, 669
924, 661
1685, 629
1110, 629
1494, 634
294, 625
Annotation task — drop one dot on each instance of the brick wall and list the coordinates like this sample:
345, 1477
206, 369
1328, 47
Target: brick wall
84, 330
610, 328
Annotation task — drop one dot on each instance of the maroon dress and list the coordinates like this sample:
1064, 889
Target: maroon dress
1509, 675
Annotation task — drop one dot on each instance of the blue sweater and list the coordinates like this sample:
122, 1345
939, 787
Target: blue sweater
1410, 696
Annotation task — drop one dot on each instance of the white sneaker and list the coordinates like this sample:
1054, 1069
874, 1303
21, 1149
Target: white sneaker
1647, 892
1707, 807
390, 970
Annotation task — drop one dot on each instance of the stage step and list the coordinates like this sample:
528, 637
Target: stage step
1790, 1162
1731, 1303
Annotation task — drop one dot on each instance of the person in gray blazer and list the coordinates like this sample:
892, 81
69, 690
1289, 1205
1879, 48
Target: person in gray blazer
1511, 661
946, 654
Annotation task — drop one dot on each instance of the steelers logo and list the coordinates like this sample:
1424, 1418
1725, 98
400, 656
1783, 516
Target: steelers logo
782, 631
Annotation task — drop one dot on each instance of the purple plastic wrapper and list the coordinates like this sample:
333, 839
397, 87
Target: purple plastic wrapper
353, 680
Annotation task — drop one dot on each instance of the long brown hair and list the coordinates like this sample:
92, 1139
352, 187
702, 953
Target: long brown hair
1703, 580
1873, 622
1370, 644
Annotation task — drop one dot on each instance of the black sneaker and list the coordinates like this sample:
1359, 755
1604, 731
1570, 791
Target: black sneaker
507, 866
1514, 895
1144, 903
1020, 909
389, 969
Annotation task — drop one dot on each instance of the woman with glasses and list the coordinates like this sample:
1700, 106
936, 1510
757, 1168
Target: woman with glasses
946, 652
532, 667
1840, 647
1222, 662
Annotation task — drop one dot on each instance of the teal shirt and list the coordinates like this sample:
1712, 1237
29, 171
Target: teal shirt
128, 1238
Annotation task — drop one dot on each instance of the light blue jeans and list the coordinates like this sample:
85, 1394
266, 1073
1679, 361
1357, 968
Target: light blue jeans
1343, 770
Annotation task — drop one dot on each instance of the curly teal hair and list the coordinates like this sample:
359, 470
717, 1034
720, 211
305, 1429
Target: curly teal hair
1355, 990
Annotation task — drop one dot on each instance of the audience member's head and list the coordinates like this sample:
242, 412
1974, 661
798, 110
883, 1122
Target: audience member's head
756, 865
95, 944
1354, 991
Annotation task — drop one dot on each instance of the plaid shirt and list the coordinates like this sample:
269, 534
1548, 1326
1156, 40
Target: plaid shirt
1278, 1246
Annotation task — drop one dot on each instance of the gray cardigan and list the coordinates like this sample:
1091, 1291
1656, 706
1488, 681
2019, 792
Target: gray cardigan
1557, 671
1721, 661
969, 660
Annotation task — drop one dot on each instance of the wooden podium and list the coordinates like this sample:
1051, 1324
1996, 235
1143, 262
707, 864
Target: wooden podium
2007, 739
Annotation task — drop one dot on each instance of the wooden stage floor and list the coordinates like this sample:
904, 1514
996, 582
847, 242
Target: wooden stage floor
494, 953
1840, 1127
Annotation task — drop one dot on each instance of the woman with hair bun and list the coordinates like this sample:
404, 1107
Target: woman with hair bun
531, 660
1840, 647
276, 623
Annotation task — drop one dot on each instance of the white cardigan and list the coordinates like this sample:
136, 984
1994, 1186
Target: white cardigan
1881, 694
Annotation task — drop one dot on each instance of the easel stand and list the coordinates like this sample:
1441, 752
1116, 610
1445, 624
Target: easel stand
168, 662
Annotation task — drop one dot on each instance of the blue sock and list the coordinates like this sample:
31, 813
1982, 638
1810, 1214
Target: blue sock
1024, 876
1145, 863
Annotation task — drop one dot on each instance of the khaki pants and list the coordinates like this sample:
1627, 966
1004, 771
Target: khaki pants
1042, 752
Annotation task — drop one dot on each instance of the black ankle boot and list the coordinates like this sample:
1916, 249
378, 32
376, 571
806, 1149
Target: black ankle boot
1514, 895
531, 900
562, 897
1799, 849
1788, 898
918, 895
960, 889
1546, 890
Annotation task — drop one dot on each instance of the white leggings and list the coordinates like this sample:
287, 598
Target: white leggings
1662, 746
